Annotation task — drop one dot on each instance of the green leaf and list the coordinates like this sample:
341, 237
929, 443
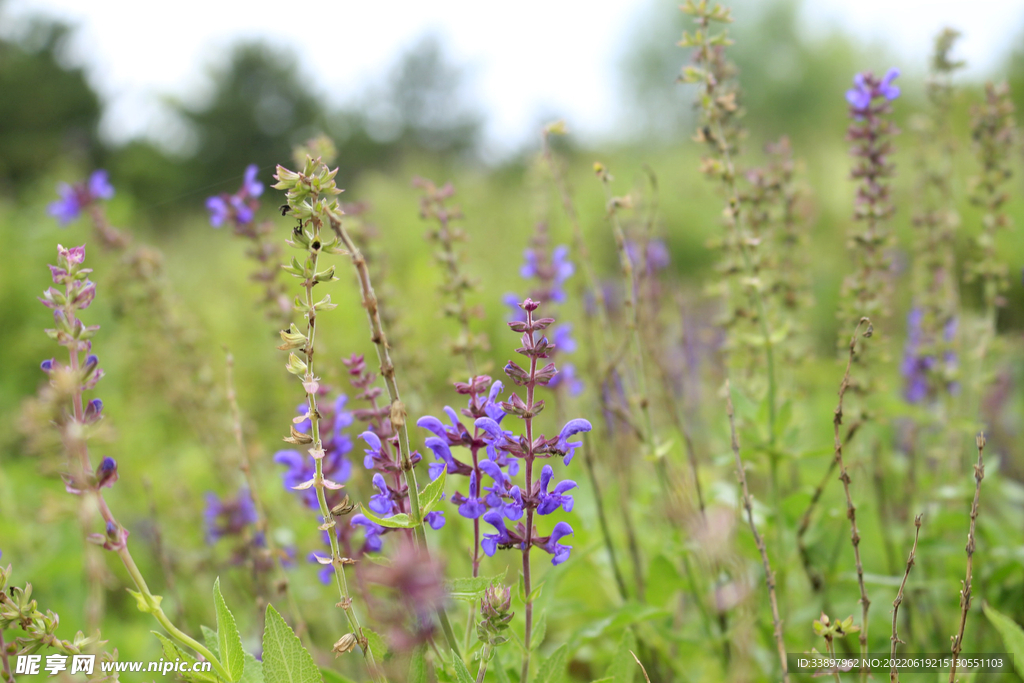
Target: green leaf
210, 640
663, 581
418, 665
229, 643
376, 644
399, 521
284, 658
461, 672
253, 672
331, 676
470, 588
553, 668
1011, 633
173, 652
431, 493
623, 667
540, 629
498, 668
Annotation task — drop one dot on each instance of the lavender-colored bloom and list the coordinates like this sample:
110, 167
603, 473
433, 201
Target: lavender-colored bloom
435, 520
239, 208
917, 367
381, 502
560, 551
229, 517
373, 542
490, 542
866, 88
571, 428
550, 502
470, 506
106, 473
250, 185
75, 198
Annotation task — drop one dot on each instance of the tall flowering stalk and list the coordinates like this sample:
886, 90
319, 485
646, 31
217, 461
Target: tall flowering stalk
434, 205
930, 367
534, 498
721, 131
994, 134
866, 291
74, 292
311, 201
304, 189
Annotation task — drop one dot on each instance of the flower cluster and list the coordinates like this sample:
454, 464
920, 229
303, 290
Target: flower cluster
508, 501
865, 291
76, 198
549, 269
228, 517
239, 208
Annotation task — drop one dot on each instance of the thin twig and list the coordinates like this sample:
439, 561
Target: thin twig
965, 593
851, 510
894, 674
813, 575
748, 505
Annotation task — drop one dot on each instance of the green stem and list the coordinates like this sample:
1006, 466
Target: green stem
318, 479
398, 414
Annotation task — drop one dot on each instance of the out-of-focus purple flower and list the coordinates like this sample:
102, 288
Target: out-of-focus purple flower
866, 88
228, 517
75, 198
919, 368
335, 464
238, 209
106, 473
373, 542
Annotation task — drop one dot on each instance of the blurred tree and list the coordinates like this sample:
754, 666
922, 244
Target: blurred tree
48, 110
261, 105
426, 92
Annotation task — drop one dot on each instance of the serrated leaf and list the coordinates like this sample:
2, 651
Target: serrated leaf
210, 640
229, 643
553, 668
418, 665
431, 493
470, 588
1011, 633
284, 658
499, 669
376, 644
461, 672
540, 629
623, 667
399, 521
173, 652
253, 672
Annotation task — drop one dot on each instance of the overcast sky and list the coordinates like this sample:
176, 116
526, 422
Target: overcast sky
527, 59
